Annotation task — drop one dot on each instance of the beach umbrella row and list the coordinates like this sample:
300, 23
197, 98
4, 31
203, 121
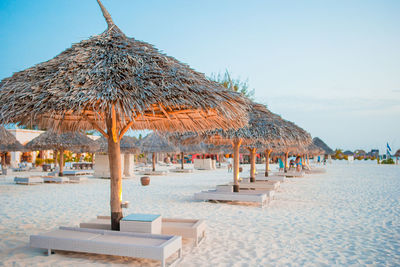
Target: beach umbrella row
59, 142
264, 129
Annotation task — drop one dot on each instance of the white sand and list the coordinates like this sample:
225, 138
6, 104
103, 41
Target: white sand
347, 216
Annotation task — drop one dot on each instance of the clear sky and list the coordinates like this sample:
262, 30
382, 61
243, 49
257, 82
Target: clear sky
332, 67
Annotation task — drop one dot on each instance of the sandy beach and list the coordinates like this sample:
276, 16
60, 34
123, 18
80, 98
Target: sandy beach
349, 215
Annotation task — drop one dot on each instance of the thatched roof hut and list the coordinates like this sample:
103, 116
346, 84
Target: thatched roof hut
397, 154
264, 130
8, 142
73, 141
156, 143
313, 149
318, 142
113, 83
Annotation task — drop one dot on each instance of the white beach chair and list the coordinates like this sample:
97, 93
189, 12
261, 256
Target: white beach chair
269, 185
137, 245
247, 196
179, 170
262, 177
186, 228
28, 180
55, 179
151, 172
290, 174
77, 179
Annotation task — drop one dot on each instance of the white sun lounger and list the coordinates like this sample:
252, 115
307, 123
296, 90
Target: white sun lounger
181, 170
77, 179
268, 185
261, 177
28, 180
290, 174
186, 228
150, 172
315, 170
247, 196
246, 186
136, 245
55, 179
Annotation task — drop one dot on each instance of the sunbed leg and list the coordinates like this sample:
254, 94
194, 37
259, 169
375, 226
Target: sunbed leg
49, 252
163, 263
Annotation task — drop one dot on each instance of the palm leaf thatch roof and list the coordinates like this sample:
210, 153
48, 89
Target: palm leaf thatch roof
8, 142
73, 141
265, 129
318, 142
109, 73
397, 154
155, 143
313, 149
128, 144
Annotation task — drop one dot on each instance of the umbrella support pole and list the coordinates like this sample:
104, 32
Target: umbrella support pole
61, 173
182, 163
236, 146
114, 158
252, 165
267, 153
286, 160
153, 160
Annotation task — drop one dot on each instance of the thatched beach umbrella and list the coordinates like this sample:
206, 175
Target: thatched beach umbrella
187, 143
397, 154
318, 142
8, 142
113, 83
156, 143
59, 142
264, 127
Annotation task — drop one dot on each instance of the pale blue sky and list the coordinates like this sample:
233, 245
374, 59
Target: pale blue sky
332, 67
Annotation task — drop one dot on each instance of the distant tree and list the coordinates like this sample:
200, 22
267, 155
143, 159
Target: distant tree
235, 84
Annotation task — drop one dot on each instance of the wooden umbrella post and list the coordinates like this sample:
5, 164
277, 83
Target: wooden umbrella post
61, 172
236, 147
55, 153
267, 154
286, 160
182, 164
153, 161
252, 165
114, 158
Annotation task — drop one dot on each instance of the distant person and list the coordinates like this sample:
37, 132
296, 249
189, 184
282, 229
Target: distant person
230, 166
291, 164
281, 165
319, 159
298, 164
